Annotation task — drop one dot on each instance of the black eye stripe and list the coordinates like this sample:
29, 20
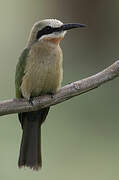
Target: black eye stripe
47, 30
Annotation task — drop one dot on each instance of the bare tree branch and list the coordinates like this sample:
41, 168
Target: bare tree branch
76, 88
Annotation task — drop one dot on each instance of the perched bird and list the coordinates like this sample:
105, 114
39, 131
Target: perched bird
39, 71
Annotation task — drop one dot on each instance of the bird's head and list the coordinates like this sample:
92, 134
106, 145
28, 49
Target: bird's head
51, 30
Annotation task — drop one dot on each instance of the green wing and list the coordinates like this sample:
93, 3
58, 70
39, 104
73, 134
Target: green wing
20, 71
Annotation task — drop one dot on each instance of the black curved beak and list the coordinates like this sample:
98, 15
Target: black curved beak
69, 26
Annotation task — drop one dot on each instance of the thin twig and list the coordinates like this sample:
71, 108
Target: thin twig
74, 89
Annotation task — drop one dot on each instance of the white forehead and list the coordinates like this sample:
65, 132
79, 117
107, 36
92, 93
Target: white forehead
52, 22
49, 22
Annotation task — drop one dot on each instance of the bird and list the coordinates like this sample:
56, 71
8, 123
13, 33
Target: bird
39, 72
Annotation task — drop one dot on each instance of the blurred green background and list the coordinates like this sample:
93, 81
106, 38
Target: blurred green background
80, 138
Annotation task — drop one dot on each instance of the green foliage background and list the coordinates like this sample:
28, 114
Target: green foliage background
80, 138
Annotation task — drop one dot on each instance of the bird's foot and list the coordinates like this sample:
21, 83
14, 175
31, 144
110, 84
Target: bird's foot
31, 101
51, 94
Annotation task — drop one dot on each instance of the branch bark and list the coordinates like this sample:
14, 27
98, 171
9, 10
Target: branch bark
74, 89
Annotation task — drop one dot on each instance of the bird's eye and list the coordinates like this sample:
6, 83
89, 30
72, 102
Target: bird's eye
48, 29
44, 31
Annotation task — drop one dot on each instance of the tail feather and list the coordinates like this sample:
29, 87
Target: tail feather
30, 150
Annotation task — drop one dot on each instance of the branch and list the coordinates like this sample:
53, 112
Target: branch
74, 89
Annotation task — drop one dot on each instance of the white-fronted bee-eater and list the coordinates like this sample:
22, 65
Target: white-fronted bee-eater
39, 72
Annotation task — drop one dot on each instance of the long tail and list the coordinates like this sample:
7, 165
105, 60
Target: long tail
30, 150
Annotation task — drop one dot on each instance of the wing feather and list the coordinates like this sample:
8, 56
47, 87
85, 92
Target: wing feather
20, 68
